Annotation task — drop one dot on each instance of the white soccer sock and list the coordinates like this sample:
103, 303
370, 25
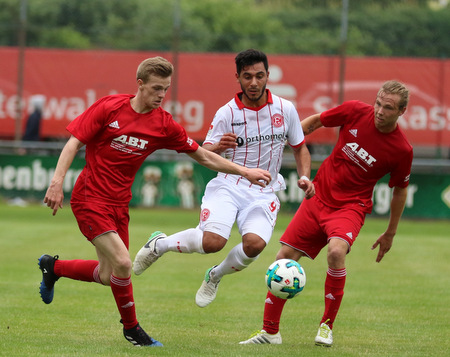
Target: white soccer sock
235, 261
188, 241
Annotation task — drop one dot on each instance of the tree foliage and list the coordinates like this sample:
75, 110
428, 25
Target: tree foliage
375, 28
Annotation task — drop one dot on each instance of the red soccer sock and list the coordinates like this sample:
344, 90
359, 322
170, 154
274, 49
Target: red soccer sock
84, 270
122, 290
272, 313
334, 292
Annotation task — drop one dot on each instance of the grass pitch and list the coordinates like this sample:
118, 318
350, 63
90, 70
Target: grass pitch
398, 307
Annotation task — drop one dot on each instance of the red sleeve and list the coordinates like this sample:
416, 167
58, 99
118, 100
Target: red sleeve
86, 125
181, 142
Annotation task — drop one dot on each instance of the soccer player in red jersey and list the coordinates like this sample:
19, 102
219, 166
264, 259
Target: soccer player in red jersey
370, 145
119, 132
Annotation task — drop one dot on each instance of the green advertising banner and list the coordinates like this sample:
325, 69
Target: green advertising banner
428, 195
181, 184
158, 183
170, 183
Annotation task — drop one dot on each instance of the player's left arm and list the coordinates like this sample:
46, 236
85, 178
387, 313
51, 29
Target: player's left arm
311, 123
303, 161
397, 206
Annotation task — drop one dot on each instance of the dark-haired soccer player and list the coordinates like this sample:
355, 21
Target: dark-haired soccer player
370, 145
252, 130
119, 132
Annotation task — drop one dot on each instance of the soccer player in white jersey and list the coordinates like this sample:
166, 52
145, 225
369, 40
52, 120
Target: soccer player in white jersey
251, 130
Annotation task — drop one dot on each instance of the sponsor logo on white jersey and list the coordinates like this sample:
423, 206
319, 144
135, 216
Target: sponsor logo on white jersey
260, 138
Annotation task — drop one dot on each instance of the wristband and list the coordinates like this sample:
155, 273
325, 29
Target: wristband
304, 178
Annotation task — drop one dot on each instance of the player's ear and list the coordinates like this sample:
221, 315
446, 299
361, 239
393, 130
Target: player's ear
237, 76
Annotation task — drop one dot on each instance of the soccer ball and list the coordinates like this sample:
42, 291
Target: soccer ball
285, 278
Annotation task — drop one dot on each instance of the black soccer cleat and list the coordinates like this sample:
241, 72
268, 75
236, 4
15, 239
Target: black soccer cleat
138, 337
49, 278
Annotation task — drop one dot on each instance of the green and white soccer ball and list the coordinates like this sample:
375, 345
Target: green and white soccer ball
285, 278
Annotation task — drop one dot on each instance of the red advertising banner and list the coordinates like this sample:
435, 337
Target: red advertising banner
70, 81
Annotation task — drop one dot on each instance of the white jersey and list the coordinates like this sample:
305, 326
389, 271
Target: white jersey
262, 134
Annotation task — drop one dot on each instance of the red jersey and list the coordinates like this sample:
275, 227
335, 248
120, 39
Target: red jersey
361, 157
118, 140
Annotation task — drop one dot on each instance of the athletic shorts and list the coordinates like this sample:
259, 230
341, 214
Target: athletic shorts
97, 219
314, 224
225, 203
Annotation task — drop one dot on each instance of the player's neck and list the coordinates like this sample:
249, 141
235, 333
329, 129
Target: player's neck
138, 106
386, 129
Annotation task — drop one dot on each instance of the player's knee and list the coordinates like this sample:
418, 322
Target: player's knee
253, 247
212, 242
336, 255
122, 267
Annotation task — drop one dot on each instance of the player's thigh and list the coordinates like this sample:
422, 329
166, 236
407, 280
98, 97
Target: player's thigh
304, 233
343, 224
95, 220
259, 216
218, 212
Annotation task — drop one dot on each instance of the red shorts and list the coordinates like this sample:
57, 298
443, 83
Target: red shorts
315, 223
96, 219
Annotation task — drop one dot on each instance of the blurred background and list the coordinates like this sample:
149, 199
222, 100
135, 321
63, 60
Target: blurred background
58, 56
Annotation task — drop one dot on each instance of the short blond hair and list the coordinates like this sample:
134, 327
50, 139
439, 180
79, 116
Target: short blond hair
158, 66
395, 87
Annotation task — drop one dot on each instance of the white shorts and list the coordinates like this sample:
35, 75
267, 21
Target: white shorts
225, 202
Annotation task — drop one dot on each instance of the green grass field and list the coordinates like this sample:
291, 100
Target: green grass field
399, 307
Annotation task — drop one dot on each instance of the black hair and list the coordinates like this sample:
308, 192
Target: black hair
250, 57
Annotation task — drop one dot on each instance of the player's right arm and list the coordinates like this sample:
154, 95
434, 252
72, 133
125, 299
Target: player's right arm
54, 196
227, 141
216, 162
311, 123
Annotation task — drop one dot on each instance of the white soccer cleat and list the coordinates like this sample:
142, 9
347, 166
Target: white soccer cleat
207, 292
262, 337
148, 254
324, 335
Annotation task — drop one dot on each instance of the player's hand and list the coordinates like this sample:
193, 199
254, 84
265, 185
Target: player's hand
54, 196
308, 187
258, 177
385, 243
227, 141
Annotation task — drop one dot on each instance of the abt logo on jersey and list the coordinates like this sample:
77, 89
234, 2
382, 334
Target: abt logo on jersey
132, 141
352, 149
